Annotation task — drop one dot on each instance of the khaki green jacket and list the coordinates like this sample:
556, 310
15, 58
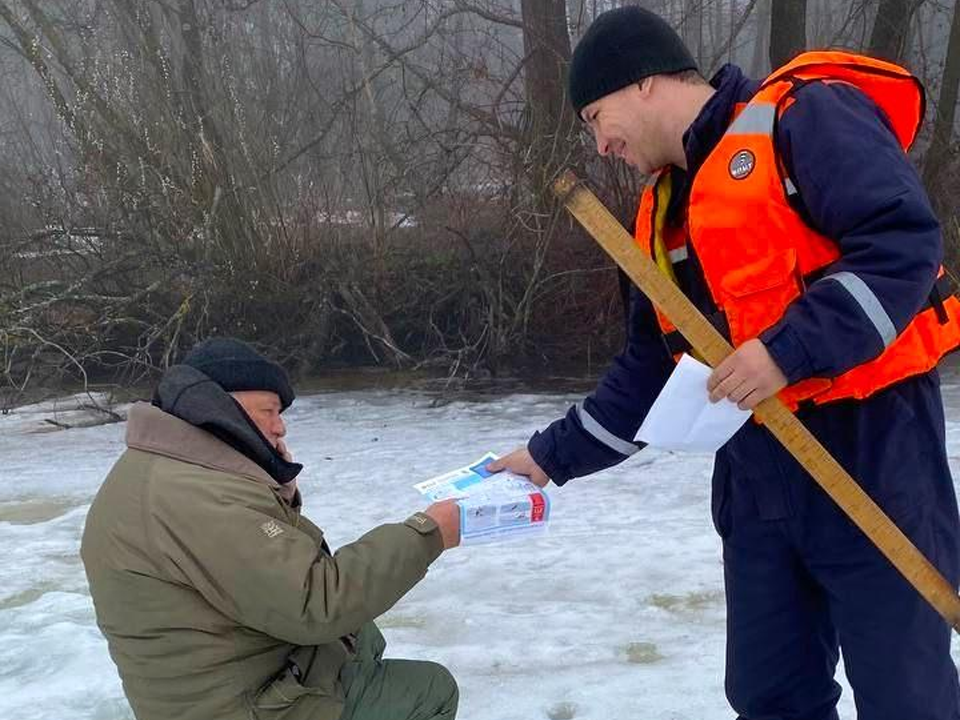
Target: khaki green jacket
217, 598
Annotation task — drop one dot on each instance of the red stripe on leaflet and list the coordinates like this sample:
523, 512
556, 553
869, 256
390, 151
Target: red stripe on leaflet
536, 514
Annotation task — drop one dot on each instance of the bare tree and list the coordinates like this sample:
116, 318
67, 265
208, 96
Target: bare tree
788, 30
691, 27
891, 28
937, 154
760, 62
546, 44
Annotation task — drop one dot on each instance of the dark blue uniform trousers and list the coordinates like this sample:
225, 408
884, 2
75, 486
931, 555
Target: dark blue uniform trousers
803, 583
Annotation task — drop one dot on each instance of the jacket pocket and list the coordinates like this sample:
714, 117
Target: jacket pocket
720, 496
281, 692
287, 697
755, 296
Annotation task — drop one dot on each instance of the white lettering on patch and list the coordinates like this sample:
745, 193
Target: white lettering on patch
271, 529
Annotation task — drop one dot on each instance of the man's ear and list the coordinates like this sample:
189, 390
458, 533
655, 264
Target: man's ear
646, 85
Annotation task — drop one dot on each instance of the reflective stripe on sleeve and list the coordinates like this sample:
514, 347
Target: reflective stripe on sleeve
598, 431
869, 303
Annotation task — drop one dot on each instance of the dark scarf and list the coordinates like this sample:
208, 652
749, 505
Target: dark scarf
188, 394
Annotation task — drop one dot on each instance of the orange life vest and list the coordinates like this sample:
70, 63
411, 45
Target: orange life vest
757, 253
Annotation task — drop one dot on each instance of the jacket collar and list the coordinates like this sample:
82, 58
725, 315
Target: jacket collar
152, 430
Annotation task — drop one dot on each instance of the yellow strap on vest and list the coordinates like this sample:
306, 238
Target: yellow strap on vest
663, 190
661, 256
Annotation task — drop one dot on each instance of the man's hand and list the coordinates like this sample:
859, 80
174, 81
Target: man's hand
284, 452
520, 462
747, 377
287, 490
446, 514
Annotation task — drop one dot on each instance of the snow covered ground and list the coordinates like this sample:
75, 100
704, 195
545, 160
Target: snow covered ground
616, 613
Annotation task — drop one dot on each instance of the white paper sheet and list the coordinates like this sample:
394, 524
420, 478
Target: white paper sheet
682, 416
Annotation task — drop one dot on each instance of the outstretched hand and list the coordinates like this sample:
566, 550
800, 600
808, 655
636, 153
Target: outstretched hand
520, 462
446, 514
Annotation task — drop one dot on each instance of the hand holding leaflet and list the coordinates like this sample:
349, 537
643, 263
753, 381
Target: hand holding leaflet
493, 506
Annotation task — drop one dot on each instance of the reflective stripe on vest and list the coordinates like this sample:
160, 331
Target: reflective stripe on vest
754, 119
758, 255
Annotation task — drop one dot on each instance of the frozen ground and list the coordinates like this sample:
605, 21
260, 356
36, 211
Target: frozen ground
616, 613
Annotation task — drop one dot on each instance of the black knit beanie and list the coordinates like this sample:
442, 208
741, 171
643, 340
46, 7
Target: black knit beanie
621, 47
235, 366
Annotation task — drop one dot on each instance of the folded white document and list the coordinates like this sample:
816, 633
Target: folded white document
682, 416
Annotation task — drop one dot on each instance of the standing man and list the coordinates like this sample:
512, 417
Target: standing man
788, 212
218, 599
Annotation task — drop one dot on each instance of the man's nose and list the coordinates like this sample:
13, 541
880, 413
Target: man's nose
281, 427
603, 146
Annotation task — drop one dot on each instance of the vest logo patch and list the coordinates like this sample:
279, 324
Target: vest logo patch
271, 529
742, 164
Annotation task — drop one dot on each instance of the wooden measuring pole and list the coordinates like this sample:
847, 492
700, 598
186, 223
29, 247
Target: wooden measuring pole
784, 425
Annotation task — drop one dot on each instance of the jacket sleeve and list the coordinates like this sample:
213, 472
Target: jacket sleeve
228, 541
599, 432
858, 188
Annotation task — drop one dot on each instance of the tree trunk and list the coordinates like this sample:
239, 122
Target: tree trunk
550, 125
946, 107
691, 28
760, 64
733, 30
788, 30
579, 18
890, 29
